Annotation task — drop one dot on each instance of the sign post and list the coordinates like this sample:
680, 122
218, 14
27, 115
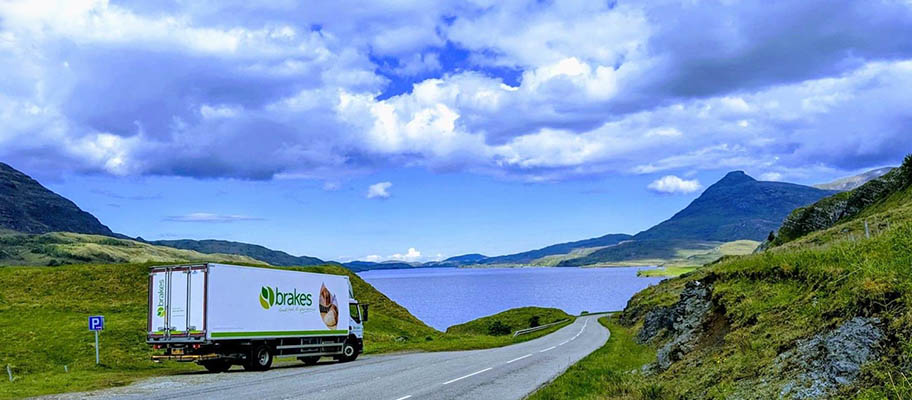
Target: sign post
96, 323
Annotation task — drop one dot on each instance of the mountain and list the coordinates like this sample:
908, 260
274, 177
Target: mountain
466, 258
360, 266
274, 257
734, 208
557, 249
853, 182
28, 207
737, 207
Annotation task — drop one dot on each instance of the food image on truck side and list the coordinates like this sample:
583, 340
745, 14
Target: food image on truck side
329, 308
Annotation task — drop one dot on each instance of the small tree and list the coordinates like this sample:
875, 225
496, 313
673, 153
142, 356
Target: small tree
498, 328
534, 321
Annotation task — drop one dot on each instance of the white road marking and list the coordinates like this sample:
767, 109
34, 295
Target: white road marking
550, 348
404, 397
463, 377
564, 342
520, 358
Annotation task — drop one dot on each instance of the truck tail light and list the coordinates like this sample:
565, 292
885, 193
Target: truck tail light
156, 346
196, 346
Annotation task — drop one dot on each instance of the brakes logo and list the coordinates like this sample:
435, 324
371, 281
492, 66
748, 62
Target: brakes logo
267, 297
270, 297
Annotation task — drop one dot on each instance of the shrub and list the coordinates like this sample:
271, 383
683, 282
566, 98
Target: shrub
498, 328
534, 321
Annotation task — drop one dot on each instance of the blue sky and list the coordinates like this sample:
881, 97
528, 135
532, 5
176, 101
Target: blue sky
352, 130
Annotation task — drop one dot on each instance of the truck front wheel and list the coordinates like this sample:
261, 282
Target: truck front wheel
349, 352
259, 359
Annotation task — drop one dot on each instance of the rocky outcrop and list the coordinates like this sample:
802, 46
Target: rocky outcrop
829, 360
654, 322
686, 322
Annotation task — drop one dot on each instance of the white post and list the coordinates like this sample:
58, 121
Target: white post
867, 231
96, 347
9, 372
65, 369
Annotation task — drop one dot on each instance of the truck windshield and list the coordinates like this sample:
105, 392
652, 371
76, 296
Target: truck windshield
355, 312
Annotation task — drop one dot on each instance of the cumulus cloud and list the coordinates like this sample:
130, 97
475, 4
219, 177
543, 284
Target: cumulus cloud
410, 256
285, 90
379, 190
673, 184
210, 218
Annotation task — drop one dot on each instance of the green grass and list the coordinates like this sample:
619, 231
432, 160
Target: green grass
606, 373
60, 248
771, 300
515, 319
669, 271
43, 314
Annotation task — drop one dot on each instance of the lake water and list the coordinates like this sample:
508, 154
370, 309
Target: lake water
442, 297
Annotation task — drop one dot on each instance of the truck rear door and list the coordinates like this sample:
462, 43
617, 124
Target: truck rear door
177, 302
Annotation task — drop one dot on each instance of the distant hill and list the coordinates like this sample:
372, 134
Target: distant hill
360, 266
274, 257
561, 248
61, 248
853, 182
28, 207
737, 207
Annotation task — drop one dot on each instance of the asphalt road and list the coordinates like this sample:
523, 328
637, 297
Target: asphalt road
510, 372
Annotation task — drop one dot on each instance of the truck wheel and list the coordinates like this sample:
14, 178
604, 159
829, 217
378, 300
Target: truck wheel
311, 360
216, 366
259, 359
349, 352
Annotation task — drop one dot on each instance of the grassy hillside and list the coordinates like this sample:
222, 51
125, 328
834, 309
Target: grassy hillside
255, 251
881, 195
513, 320
59, 248
43, 313
827, 315
676, 253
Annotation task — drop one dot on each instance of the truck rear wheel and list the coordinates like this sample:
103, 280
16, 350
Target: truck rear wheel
259, 359
216, 366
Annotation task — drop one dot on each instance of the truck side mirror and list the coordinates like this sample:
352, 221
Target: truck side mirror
364, 312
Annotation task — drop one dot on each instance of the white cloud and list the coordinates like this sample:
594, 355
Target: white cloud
379, 190
411, 255
673, 184
771, 176
210, 218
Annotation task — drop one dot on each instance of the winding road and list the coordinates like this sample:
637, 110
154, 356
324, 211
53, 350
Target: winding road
510, 372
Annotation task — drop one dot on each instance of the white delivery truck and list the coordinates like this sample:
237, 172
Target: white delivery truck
220, 315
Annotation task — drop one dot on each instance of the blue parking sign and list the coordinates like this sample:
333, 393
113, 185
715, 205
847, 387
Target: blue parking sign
96, 322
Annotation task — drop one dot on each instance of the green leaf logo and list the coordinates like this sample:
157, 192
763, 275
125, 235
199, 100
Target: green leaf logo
160, 312
267, 297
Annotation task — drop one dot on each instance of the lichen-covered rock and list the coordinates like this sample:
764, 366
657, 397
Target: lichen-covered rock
690, 315
829, 360
655, 321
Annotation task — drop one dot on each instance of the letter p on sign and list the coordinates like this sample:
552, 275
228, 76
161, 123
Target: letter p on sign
96, 323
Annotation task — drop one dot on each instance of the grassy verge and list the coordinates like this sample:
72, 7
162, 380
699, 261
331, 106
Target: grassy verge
669, 271
609, 372
43, 314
